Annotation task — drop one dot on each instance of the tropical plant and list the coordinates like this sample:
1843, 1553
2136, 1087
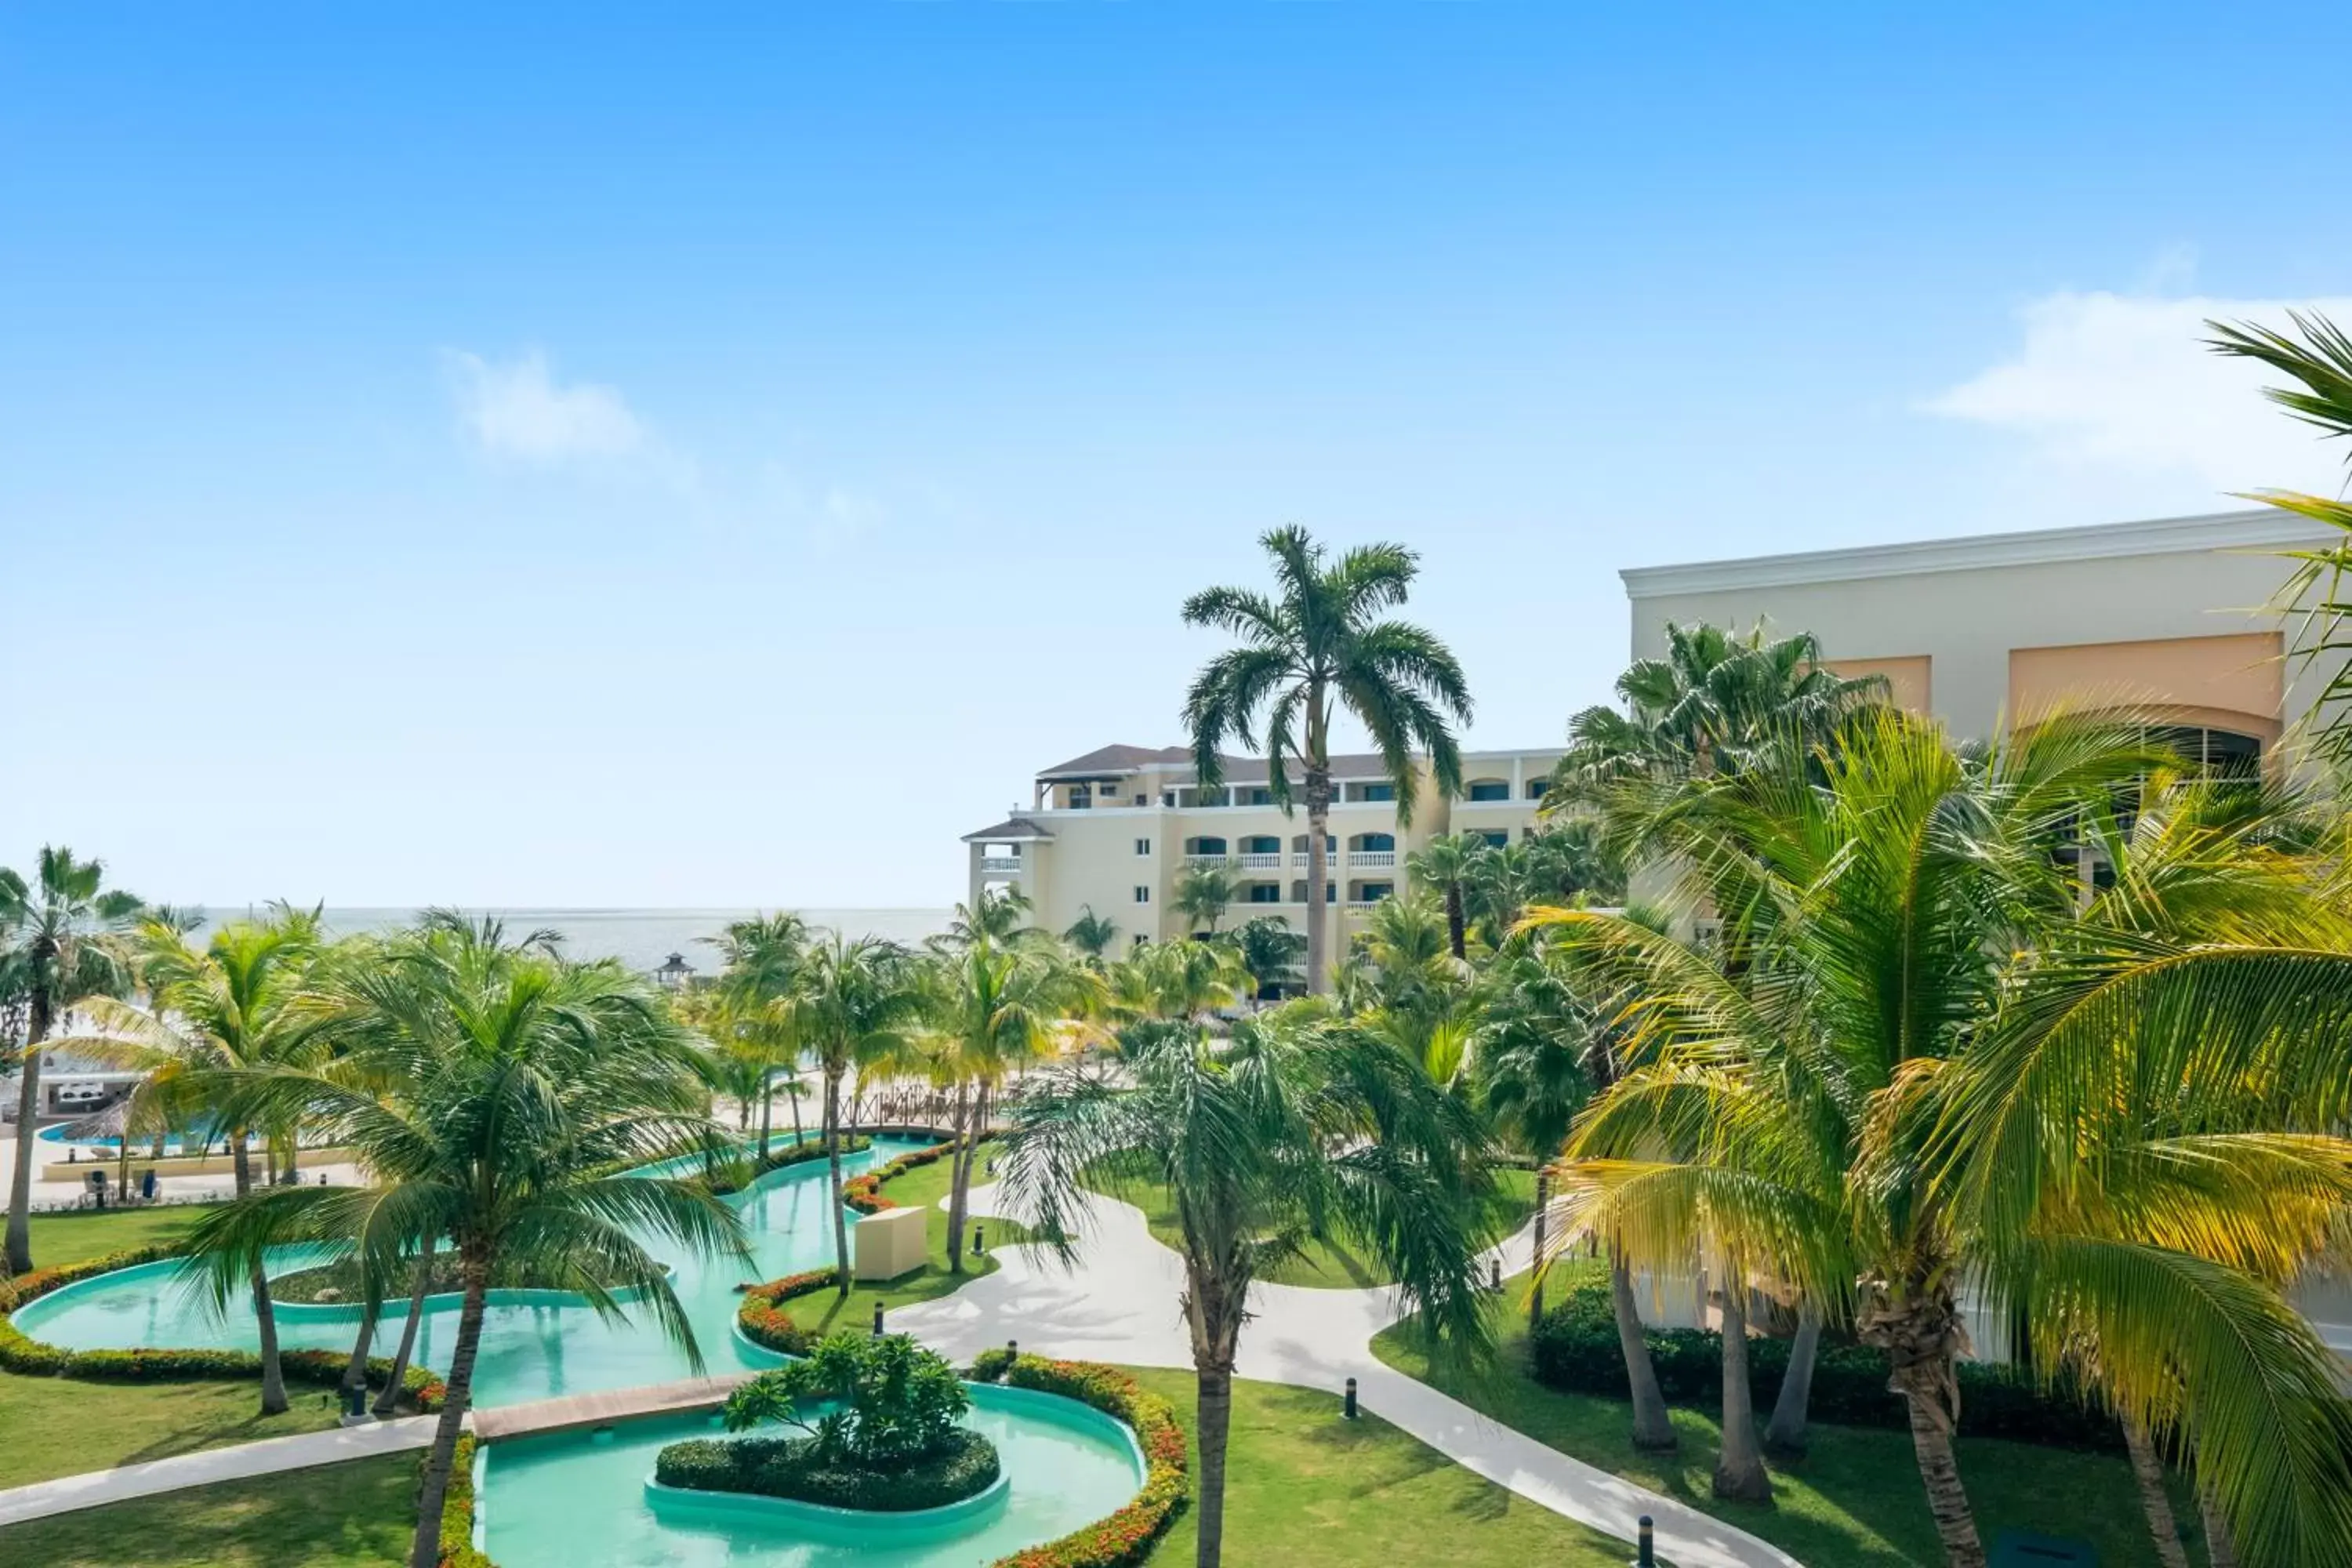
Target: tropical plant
1917, 1059
1292, 1128
763, 960
1000, 915
1313, 647
1180, 979
1092, 935
235, 1006
1444, 865
877, 1401
1203, 891
60, 945
856, 1004
1271, 951
496, 1097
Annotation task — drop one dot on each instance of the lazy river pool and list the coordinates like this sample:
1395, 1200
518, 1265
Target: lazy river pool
576, 1498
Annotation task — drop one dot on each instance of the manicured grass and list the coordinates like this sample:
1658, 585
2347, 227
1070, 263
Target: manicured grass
1337, 1261
1854, 1499
922, 1188
62, 1427
60, 1239
354, 1515
1305, 1486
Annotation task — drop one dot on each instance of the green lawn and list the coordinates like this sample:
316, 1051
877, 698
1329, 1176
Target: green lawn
1337, 1261
89, 1233
1854, 1501
62, 1427
354, 1515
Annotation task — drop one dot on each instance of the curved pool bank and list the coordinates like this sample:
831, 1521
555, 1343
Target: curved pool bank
564, 1498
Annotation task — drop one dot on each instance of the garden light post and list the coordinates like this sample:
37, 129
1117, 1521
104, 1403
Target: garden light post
877, 1319
1645, 1552
1347, 1406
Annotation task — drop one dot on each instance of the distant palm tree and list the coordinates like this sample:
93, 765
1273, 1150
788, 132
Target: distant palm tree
1271, 951
1313, 647
1256, 1149
495, 1096
1000, 915
1202, 893
1444, 865
856, 1004
763, 961
1091, 934
236, 1007
60, 945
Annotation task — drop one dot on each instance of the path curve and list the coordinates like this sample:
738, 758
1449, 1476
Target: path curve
270, 1456
1120, 1306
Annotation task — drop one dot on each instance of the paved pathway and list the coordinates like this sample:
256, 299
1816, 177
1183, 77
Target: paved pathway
268, 1457
1122, 1308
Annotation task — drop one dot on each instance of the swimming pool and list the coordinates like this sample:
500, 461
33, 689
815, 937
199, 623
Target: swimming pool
576, 1499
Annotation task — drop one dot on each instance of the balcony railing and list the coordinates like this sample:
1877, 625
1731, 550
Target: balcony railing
1207, 862
1000, 863
1371, 857
1260, 861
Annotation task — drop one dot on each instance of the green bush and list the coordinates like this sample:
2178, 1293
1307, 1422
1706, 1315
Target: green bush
458, 1508
742, 1173
1123, 1538
990, 1366
885, 1400
962, 1465
1574, 1347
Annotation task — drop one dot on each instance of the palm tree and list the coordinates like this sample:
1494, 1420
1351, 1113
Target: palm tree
1175, 979
236, 1007
1256, 1149
1916, 1057
1203, 891
1313, 647
1000, 916
1444, 864
58, 947
494, 1094
1271, 951
763, 960
856, 1004
1091, 934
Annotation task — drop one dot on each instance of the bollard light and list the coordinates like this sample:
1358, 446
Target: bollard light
1348, 1408
1012, 1348
1495, 1275
978, 1242
877, 1319
1645, 1546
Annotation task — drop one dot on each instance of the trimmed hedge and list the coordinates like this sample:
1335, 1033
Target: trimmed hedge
1124, 1538
1574, 1347
864, 1193
763, 1319
457, 1508
26, 1357
964, 1466
753, 1167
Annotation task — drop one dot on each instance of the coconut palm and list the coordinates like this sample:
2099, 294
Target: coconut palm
1175, 979
763, 959
1312, 648
60, 945
1203, 891
1271, 951
1092, 935
1444, 865
1916, 1061
1001, 915
234, 1007
1289, 1130
495, 1096
856, 1004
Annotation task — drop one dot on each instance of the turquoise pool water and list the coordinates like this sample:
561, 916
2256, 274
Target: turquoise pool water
577, 1500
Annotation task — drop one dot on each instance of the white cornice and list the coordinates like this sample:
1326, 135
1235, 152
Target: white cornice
2263, 529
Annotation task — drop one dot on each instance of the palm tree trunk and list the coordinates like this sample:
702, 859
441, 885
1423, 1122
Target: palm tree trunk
273, 1373
2148, 1475
1318, 820
960, 1176
1536, 1267
389, 1400
1939, 1472
1739, 1471
1214, 1416
355, 1370
1918, 1327
1652, 1428
2221, 1548
798, 1136
1785, 1435
833, 1161
1456, 928
424, 1551
767, 1110
28, 1107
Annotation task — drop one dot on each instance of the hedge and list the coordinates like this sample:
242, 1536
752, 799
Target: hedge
1123, 1538
29, 1357
457, 1508
1575, 1347
763, 1319
798, 1153
788, 1467
864, 1193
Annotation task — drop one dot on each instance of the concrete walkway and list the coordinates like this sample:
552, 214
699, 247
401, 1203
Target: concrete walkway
601, 1409
268, 1457
1121, 1307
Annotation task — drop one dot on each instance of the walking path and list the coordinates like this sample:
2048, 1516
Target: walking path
1121, 1307
575, 1410
268, 1457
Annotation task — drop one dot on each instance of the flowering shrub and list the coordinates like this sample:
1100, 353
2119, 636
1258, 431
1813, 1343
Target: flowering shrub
1123, 1538
764, 1320
864, 1193
458, 1508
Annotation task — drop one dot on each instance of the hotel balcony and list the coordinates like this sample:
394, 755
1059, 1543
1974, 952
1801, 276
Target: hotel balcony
1371, 857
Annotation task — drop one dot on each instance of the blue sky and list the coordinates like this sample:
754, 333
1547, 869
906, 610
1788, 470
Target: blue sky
575, 455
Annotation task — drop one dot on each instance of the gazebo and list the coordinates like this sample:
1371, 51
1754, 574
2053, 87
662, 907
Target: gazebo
674, 972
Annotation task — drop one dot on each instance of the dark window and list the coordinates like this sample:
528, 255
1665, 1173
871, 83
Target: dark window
1374, 841
1535, 788
1490, 789
1264, 893
1261, 797
1372, 893
1496, 840
1144, 846
1142, 895
1379, 792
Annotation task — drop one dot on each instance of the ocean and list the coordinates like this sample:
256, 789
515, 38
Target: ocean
641, 938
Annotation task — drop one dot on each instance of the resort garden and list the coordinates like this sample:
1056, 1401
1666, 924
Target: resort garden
1980, 1106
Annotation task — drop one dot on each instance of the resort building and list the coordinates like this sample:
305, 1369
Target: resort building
2167, 616
1111, 831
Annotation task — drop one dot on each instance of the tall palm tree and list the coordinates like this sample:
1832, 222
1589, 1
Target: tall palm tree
1916, 1059
763, 959
491, 1092
1092, 935
856, 1003
60, 945
235, 1006
1257, 1148
1444, 865
1201, 894
1313, 647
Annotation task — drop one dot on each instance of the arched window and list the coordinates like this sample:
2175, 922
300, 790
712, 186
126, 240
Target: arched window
1373, 841
1205, 847
1263, 843
1488, 789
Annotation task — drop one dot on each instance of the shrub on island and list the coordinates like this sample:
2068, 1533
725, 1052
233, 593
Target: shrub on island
878, 1419
735, 1175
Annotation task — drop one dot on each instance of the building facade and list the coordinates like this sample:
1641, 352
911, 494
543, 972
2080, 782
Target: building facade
1111, 832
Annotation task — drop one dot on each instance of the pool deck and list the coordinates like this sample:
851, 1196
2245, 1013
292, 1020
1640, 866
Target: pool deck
577, 1410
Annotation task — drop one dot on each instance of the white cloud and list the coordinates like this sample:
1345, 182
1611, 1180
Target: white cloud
518, 409
2117, 387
